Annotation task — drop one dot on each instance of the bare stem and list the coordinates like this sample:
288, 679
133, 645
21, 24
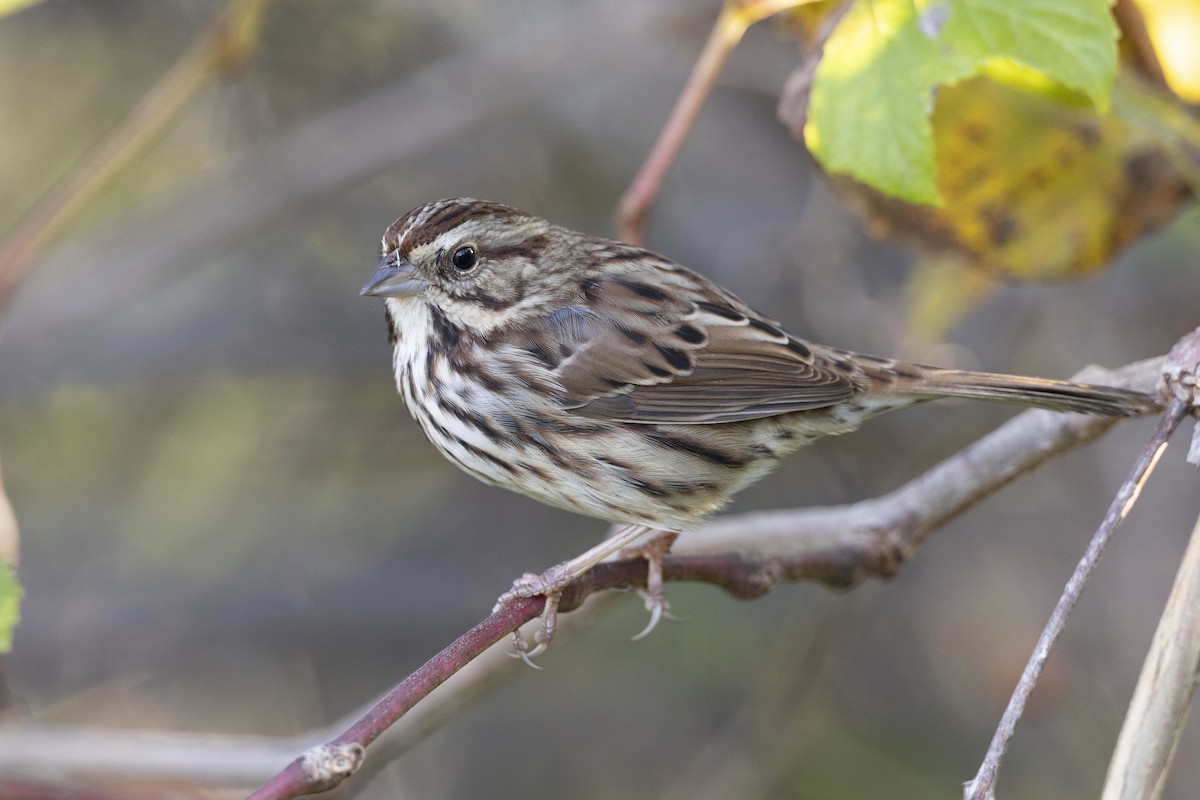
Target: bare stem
1159, 708
982, 786
735, 18
225, 47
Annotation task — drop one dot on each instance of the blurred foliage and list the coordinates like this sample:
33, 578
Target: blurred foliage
10, 605
1041, 189
868, 111
1034, 184
1174, 28
213, 460
11, 6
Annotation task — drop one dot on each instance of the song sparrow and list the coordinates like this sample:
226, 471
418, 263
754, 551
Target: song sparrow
611, 381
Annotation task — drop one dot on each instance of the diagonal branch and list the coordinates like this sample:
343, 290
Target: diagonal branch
836, 546
746, 555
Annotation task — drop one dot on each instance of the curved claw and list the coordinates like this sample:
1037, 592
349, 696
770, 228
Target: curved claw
659, 610
656, 614
544, 635
536, 651
522, 651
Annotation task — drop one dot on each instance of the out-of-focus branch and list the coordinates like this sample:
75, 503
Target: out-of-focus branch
1160, 704
224, 48
982, 786
735, 18
1159, 708
192, 224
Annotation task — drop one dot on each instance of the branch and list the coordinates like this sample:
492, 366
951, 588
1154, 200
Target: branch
735, 18
892, 526
982, 786
837, 546
1170, 673
746, 555
1159, 708
225, 47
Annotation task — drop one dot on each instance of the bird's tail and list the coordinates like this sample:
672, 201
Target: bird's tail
1055, 395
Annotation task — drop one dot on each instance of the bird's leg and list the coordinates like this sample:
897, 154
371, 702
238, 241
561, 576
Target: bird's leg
551, 583
654, 551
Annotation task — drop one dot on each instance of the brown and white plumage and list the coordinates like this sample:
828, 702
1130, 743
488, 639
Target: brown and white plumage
611, 381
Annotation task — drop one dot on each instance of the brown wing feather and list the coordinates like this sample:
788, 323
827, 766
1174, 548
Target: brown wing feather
680, 351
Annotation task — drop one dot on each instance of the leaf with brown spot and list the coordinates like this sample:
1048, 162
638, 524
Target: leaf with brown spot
1036, 188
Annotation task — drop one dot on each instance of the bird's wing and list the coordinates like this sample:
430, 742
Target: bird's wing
678, 350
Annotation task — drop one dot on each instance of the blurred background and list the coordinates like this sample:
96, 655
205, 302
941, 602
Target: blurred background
230, 524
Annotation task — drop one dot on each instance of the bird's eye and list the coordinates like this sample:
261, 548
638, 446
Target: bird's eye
463, 258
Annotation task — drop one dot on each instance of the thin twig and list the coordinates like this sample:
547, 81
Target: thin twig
225, 47
982, 786
735, 18
1146, 746
322, 767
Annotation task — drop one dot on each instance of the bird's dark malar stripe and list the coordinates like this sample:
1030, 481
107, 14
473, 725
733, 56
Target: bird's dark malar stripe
393, 333
446, 335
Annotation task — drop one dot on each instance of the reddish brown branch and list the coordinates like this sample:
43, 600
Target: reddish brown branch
325, 766
744, 576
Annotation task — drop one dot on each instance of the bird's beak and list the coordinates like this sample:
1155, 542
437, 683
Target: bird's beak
394, 277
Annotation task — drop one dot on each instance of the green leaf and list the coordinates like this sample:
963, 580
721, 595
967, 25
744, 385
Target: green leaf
10, 605
873, 90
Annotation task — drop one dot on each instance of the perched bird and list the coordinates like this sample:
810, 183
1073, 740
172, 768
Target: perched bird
609, 380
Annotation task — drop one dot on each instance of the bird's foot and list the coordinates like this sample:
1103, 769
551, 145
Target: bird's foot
553, 581
550, 584
654, 551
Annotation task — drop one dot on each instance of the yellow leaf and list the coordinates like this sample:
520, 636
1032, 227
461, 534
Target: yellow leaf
1036, 187
13, 6
1174, 28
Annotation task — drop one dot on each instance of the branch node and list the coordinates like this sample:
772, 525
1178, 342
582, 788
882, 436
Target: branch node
891, 549
1181, 380
327, 765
